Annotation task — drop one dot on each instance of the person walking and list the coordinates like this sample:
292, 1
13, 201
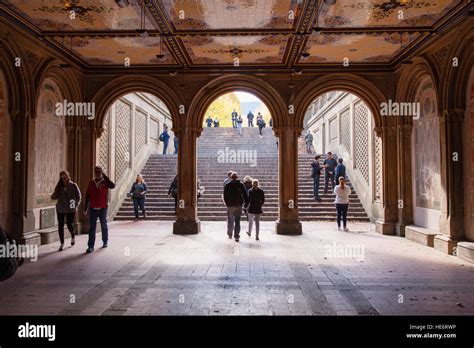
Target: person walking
209, 122
176, 143
138, 192
250, 118
96, 206
340, 170
342, 192
234, 119
260, 123
256, 201
165, 138
216, 123
315, 174
329, 166
239, 121
248, 185
173, 191
235, 195
68, 198
309, 142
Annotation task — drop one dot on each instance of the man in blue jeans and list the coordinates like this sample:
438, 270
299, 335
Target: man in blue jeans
165, 138
235, 195
96, 206
329, 165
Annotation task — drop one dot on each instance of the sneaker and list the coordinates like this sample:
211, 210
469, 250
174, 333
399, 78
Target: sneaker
104, 245
339, 228
61, 247
346, 229
89, 250
237, 240
73, 240
136, 219
256, 238
248, 233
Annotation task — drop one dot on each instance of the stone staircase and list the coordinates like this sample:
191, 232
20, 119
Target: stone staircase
221, 150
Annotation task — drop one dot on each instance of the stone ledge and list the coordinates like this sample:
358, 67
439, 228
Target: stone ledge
465, 251
421, 235
445, 244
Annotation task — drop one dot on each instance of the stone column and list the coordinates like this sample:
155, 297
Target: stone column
451, 223
386, 225
86, 144
288, 222
187, 221
405, 179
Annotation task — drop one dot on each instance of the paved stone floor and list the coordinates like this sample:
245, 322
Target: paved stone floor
147, 270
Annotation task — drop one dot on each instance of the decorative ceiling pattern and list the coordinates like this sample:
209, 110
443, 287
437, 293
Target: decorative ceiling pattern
221, 33
88, 14
231, 14
236, 49
119, 50
383, 13
365, 48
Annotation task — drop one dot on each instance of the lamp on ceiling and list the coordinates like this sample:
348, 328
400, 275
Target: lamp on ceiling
160, 56
142, 31
122, 3
329, 2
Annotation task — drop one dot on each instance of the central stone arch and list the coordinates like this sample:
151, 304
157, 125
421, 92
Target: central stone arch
232, 83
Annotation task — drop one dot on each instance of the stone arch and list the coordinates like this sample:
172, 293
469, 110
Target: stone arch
453, 91
64, 78
231, 83
356, 85
120, 86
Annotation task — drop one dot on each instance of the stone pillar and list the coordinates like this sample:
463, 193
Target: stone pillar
288, 222
187, 221
386, 225
86, 144
405, 179
451, 223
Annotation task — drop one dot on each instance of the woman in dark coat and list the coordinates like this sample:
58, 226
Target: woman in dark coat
68, 195
256, 199
173, 191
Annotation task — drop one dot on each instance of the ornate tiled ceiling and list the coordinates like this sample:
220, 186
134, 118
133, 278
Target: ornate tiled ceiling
216, 33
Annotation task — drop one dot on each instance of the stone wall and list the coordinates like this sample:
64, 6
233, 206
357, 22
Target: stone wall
131, 130
5, 157
426, 161
469, 162
49, 153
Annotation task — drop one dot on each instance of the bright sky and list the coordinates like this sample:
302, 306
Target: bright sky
247, 97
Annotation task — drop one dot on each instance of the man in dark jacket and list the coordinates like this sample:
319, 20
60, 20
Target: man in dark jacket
209, 122
315, 173
329, 165
165, 138
250, 117
235, 195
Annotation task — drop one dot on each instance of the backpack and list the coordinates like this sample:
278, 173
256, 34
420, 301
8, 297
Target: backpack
161, 137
